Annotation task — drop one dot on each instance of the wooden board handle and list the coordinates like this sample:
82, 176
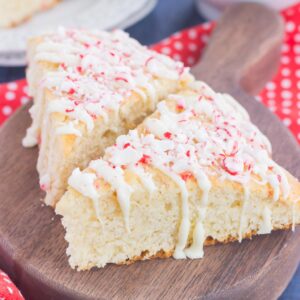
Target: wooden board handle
244, 49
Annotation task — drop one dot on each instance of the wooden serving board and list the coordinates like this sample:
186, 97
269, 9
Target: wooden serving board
242, 54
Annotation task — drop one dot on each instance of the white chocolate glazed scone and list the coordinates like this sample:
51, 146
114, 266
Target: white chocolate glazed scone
195, 172
89, 88
14, 12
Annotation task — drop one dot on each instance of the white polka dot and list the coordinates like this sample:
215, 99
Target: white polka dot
10, 290
271, 94
191, 60
272, 108
286, 111
177, 35
6, 110
24, 100
287, 121
192, 46
287, 103
10, 96
25, 89
298, 121
12, 86
178, 45
297, 73
285, 48
286, 94
298, 136
166, 50
297, 60
165, 41
298, 105
286, 83
297, 37
290, 26
7, 280
297, 49
285, 60
206, 25
298, 96
192, 34
285, 72
177, 57
258, 98
271, 85
298, 84
204, 38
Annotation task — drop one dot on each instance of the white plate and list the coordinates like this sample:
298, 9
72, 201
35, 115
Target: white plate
96, 14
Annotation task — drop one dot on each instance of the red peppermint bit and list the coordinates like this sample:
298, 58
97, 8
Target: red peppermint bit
200, 98
86, 45
209, 98
126, 54
81, 56
145, 159
234, 149
112, 54
121, 79
247, 166
224, 166
186, 175
279, 178
79, 69
63, 65
43, 187
98, 43
97, 185
148, 60
76, 102
123, 167
126, 145
71, 91
168, 135
188, 153
69, 110
180, 107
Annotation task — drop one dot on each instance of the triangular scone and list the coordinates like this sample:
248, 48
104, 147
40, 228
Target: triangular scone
89, 88
195, 172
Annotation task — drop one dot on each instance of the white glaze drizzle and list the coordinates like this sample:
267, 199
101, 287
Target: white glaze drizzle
266, 225
197, 139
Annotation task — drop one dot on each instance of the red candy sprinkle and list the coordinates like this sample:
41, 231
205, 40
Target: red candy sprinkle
145, 159
126, 145
167, 135
121, 79
186, 175
71, 91
69, 110
188, 153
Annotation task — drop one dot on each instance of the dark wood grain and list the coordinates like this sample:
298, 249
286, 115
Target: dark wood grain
241, 56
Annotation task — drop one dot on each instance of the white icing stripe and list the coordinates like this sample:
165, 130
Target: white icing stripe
243, 219
266, 225
84, 183
184, 227
115, 177
196, 249
145, 178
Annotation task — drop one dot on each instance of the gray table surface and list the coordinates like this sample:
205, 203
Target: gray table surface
168, 17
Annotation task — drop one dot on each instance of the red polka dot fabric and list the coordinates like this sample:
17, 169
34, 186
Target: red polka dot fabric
8, 290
